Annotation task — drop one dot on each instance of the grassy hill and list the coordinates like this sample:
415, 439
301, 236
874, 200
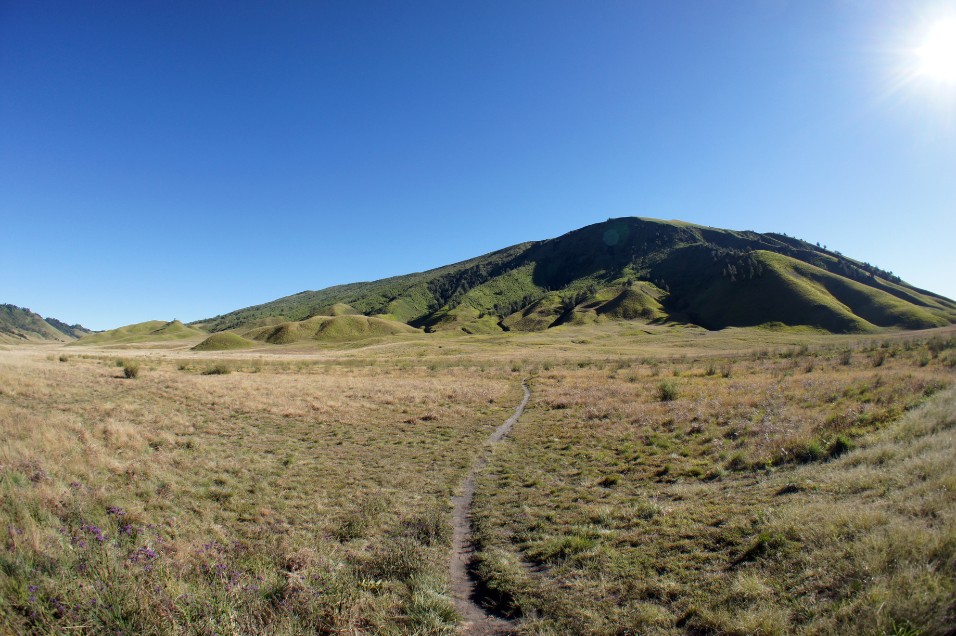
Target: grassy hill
18, 324
150, 331
224, 341
340, 324
329, 328
628, 269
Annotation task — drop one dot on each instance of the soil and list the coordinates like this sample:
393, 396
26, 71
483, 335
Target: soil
478, 620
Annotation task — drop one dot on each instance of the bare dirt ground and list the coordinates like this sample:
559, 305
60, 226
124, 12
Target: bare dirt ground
478, 620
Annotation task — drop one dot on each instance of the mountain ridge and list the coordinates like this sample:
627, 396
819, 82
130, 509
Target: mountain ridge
628, 268
19, 324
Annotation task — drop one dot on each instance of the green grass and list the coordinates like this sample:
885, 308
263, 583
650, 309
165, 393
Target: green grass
635, 302
150, 331
225, 341
330, 328
774, 500
18, 324
791, 292
628, 269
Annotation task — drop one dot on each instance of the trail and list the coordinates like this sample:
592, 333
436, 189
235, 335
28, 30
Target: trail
478, 621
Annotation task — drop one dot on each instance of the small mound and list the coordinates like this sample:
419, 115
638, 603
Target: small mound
631, 304
358, 327
224, 341
330, 328
341, 309
537, 316
150, 331
463, 319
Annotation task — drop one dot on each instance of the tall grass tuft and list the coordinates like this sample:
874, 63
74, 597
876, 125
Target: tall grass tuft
667, 391
130, 369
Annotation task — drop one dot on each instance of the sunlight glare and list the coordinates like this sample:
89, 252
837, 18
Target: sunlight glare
938, 53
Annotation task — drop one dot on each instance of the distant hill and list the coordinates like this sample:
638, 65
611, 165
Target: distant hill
150, 331
19, 324
625, 269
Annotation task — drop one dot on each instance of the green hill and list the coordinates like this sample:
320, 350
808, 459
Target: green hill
224, 341
329, 328
623, 269
18, 324
150, 331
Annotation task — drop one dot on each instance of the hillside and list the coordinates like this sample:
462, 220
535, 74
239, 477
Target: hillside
18, 324
150, 331
629, 269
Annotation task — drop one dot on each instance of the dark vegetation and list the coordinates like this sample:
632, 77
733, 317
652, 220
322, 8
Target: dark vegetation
19, 324
629, 269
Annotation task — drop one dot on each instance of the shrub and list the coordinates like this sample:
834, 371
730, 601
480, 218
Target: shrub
64, 357
130, 369
737, 461
220, 368
809, 452
608, 481
839, 446
667, 391
936, 345
846, 356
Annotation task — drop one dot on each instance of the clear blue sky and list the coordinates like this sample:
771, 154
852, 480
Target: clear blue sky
171, 159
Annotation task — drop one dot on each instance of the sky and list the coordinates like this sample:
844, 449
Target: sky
182, 159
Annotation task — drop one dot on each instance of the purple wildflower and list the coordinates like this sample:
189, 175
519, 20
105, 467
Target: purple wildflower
95, 531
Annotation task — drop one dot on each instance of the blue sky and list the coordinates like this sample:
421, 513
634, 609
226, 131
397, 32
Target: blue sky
165, 160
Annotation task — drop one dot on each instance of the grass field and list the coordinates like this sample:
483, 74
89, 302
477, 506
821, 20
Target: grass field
662, 480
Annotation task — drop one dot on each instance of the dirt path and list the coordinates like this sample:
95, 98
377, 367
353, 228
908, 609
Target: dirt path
478, 621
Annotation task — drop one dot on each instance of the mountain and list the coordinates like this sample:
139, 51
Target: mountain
622, 269
74, 331
19, 324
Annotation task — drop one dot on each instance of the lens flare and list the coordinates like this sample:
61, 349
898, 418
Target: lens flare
938, 53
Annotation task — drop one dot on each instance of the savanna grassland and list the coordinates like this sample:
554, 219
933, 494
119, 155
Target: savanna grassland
662, 480
787, 491
279, 497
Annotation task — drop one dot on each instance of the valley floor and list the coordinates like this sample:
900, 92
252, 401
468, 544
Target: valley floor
663, 480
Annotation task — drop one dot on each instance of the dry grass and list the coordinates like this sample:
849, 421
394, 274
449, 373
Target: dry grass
733, 506
776, 489
277, 501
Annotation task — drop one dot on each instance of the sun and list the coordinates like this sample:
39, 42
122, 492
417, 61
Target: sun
938, 53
